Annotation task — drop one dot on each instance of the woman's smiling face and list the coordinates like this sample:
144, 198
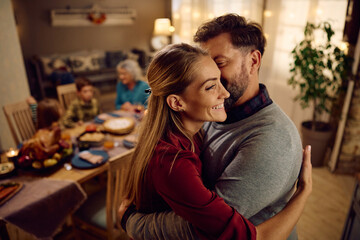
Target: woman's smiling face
204, 98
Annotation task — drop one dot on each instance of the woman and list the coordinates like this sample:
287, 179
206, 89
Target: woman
166, 170
130, 89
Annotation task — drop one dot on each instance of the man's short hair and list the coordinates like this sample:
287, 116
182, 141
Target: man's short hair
82, 82
243, 33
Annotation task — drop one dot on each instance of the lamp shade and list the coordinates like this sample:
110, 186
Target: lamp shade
162, 27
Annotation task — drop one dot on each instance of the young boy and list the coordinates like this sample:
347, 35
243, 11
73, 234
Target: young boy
85, 107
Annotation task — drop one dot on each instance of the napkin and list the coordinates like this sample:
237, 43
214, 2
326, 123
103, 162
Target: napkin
92, 158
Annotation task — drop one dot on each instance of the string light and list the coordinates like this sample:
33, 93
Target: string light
196, 14
267, 13
344, 46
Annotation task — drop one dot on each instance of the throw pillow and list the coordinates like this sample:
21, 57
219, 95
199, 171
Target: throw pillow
50, 64
91, 62
114, 57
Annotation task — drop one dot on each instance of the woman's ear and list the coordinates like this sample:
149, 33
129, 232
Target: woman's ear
175, 103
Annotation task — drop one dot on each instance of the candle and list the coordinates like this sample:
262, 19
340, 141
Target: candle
12, 154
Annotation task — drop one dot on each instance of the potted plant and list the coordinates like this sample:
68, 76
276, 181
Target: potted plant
317, 70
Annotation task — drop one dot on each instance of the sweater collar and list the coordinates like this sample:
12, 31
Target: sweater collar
250, 107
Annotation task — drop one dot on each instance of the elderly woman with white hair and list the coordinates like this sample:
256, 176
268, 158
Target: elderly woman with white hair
130, 89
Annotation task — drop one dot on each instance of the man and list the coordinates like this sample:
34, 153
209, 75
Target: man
252, 160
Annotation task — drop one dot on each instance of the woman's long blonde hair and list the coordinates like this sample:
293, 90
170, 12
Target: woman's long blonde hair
170, 72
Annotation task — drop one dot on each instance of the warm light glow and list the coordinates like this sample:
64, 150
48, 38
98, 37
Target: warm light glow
246, 12
344, 46
211, 15
176, 16
319, 11
187, 9
12, 153
196, 15
267, 13
292, 15
172, 29
162, 27
186, 33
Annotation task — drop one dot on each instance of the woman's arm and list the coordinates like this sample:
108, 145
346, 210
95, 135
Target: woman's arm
281, 225
118, 100
183, 190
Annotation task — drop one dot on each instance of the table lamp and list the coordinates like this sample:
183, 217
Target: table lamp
162, 32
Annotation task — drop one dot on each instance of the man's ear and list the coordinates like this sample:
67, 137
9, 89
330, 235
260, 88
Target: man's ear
175, 102
255, 61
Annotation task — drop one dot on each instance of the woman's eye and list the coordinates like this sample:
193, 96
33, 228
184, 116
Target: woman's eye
211, 87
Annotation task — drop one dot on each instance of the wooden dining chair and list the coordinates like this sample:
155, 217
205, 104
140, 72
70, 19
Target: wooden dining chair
19, 118
96, 218
66, 94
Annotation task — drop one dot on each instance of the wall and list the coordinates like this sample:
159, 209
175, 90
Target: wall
32, 34
37, 36
349, 157
13, 79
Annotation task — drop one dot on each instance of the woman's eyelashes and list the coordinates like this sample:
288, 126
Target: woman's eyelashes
210, 87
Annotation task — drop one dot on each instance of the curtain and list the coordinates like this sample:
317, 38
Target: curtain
283, 22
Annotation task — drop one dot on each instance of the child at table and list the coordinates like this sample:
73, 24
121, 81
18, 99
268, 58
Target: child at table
48, 113
85, 107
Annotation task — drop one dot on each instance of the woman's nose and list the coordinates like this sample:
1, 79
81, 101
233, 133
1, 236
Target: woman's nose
224, 93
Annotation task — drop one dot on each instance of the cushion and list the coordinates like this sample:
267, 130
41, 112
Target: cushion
50, 64
114, 57
89, 62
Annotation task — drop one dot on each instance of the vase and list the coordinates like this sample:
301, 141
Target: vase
319, 141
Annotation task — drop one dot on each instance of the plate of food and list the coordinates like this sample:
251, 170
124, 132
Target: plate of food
8, 190
121, 125
44, 152
92, 139
101, 118
89, 159
6, 169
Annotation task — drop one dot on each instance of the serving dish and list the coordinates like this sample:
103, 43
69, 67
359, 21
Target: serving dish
91, 139
6, 169
8, 190
121, 125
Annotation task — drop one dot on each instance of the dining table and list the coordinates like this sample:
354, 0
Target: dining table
45, 201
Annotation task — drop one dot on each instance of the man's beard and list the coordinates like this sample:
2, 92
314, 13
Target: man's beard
236, 87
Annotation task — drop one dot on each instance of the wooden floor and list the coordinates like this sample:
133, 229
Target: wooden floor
326, 210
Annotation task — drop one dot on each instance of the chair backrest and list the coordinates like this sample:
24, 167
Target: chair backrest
66, 93
117, 174
20, 121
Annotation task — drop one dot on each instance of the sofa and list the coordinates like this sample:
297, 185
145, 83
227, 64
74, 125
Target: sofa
98, 66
